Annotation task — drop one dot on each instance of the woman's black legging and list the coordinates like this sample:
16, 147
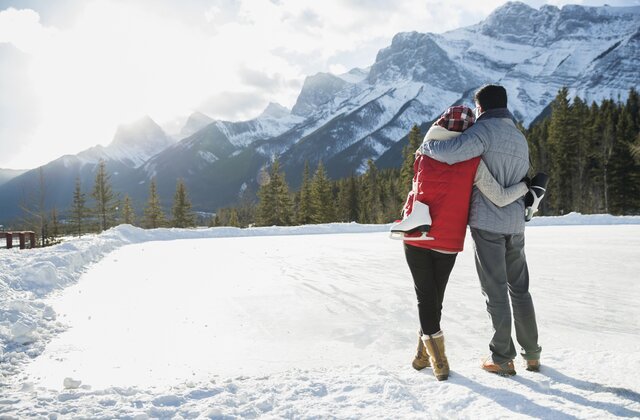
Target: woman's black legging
430, 270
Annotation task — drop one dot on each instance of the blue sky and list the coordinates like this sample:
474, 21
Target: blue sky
72, 70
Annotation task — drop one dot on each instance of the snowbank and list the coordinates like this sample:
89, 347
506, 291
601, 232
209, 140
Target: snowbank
322, 286
28, 277
584, 219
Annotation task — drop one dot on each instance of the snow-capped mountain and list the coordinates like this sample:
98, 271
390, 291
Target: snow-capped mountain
345, 120
132, 145
196, 121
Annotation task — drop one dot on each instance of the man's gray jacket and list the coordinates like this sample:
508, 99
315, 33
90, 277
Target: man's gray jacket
504, 150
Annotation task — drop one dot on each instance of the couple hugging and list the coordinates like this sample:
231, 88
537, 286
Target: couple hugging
473, 171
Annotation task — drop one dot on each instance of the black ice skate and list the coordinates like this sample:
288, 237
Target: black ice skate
536, 192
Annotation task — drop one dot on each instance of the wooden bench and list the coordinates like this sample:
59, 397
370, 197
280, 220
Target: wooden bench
22, 236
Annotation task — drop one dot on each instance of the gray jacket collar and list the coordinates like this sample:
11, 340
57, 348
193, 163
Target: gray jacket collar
496, 113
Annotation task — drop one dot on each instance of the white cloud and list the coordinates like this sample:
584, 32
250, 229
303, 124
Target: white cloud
22, 28
119, 60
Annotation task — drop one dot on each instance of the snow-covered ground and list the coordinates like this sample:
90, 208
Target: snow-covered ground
312, 321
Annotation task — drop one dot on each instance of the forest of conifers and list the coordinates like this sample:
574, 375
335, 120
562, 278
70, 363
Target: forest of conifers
590, 151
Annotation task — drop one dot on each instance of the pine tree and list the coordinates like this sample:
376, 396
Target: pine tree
233, 218
371, 208
635, 149
305, 204
560, 135
106, 201
348, 200
182, 214
153, 215
274, 205
579, 159
322, 197
625, 172
79, 211
409, 153
128, 213
605, 125
55, 226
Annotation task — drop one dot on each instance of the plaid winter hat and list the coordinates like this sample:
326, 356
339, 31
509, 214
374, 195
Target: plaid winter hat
457, 118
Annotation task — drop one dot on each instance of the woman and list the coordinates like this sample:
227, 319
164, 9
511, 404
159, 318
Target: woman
446, 189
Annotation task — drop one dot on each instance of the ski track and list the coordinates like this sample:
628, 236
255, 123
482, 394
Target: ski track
317, 326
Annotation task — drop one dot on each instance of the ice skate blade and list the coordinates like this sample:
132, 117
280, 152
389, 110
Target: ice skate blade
530, 211
401, 236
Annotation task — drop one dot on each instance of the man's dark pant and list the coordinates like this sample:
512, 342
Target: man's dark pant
430, 271
502, 269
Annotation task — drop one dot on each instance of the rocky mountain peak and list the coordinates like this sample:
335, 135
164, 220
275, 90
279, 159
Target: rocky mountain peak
136, 142
274, 110
317, 90
196, 121
417, 57
142, 130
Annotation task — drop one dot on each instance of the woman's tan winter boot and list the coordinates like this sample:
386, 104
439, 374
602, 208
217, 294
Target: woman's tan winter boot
421, 360
434, 344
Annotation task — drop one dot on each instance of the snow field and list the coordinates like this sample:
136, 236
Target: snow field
322, 326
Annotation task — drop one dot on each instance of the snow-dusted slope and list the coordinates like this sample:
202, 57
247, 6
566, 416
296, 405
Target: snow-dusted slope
321, 324
133, 144
194, 123
345, 120
273, 121
361, 115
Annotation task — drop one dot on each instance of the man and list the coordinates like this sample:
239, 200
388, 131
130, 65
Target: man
498, 232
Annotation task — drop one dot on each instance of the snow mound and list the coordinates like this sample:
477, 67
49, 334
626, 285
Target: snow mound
325, 284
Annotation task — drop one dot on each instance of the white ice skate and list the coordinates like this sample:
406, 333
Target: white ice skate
534, 196
418, 221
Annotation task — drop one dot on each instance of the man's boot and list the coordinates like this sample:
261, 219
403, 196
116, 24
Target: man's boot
504, 369
533, 365
421, 360
434, 344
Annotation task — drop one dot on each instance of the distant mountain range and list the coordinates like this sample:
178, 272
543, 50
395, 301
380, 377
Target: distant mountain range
9, 174
345, 120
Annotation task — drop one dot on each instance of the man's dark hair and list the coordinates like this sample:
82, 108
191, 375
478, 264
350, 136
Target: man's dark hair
491, 97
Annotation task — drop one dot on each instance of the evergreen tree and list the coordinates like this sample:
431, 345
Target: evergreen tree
579, 160
79, 211
233, 218
305, 204
322, 197
214, 220
560, 135
409, 153
635, 149
55, 226
182, 215
106, 201
153, 215
274, 205
128, 213
605, 125
624, 188
371, 208
348, 200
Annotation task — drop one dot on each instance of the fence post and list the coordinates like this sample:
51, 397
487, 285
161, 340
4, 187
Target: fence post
9, 237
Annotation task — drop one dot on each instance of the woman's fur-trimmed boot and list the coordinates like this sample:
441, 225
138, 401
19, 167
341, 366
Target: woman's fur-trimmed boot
421, 360
434, 345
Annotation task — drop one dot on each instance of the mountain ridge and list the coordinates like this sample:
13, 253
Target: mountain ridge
345, 120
